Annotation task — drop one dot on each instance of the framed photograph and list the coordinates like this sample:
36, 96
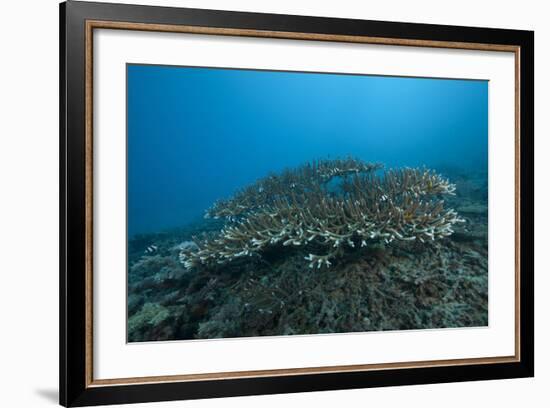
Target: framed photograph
256, 203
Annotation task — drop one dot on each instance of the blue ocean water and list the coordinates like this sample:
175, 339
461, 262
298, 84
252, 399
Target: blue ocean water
196, 135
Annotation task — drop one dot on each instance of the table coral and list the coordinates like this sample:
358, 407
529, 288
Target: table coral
328, 208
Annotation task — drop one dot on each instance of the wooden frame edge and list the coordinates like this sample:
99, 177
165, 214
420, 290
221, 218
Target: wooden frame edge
517, 199
232, 375
89, 205
290, 35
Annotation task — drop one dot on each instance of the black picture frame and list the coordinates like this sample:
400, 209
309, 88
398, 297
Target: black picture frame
75, 386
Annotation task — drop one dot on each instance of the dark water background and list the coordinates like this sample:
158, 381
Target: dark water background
196, 135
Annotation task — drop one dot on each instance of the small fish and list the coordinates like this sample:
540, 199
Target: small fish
151, 249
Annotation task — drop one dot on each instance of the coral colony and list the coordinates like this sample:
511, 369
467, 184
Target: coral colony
332, 246
328, 208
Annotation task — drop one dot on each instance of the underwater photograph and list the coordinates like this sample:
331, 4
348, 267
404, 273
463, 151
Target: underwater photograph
275, 203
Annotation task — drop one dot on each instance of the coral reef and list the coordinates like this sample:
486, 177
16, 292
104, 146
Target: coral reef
381, 291
397, 285
291, 183
436, 286
301, 207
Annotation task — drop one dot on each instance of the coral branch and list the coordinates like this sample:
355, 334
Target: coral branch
297, 208
290, 183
